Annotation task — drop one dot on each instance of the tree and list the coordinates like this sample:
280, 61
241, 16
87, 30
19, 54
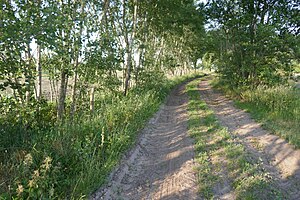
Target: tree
250, 37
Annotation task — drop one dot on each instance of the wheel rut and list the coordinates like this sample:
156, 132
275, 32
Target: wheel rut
278, 157
161, 166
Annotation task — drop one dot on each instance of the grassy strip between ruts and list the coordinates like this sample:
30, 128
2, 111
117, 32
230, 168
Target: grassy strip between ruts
223, 162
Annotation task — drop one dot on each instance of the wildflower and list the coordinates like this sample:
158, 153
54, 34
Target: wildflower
20, 189
47, 163
28, 160
31, 183
36, 173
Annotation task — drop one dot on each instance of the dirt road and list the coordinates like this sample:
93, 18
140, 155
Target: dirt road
161, 166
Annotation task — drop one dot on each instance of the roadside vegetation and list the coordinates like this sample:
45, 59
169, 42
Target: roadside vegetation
78, 80
276, 107
256, 55
223, 162
73, 159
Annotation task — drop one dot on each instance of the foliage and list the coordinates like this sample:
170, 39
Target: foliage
92, 46
278, 107
64, 64
254, 42
283, 100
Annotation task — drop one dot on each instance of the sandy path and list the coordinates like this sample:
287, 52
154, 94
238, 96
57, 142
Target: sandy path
161, 165
279, 158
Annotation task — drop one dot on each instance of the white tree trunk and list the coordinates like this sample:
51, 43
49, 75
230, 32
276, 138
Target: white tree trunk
92, 100
62, 95
129, 45
39, 70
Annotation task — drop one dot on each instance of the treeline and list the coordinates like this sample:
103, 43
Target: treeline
255, 47
253, 42
93, 45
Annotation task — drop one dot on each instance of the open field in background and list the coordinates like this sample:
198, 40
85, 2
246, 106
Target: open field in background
52, 94
46, 85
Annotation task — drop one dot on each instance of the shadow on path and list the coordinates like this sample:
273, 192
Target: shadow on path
279, 157
161, 165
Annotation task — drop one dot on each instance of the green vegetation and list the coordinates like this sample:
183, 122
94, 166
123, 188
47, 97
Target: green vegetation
297, 69
73, 159
79, 78
255, 52
277, 107
221, 157
254, 42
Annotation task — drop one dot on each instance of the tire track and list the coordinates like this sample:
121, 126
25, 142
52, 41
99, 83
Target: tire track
279, 158
161, 165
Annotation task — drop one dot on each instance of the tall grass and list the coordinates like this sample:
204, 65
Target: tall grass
277, 107
73, 159
283, 101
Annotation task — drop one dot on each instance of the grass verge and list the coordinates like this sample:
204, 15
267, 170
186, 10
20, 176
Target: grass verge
72, 160
223, 162
277, 108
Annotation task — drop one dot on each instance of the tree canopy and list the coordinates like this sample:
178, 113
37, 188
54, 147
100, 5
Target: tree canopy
254, 42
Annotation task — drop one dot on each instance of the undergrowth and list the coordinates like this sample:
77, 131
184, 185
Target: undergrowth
277, 107
221, 158
72, 160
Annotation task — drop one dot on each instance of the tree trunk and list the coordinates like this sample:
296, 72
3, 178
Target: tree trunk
28, 75
51, 90
92, 100
73, 104
62, 95
195, 65
54, 85
138, 66
129, 44
128, 71
39, 70
73, 100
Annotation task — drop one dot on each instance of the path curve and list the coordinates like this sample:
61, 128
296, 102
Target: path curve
161, 166
281, 159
